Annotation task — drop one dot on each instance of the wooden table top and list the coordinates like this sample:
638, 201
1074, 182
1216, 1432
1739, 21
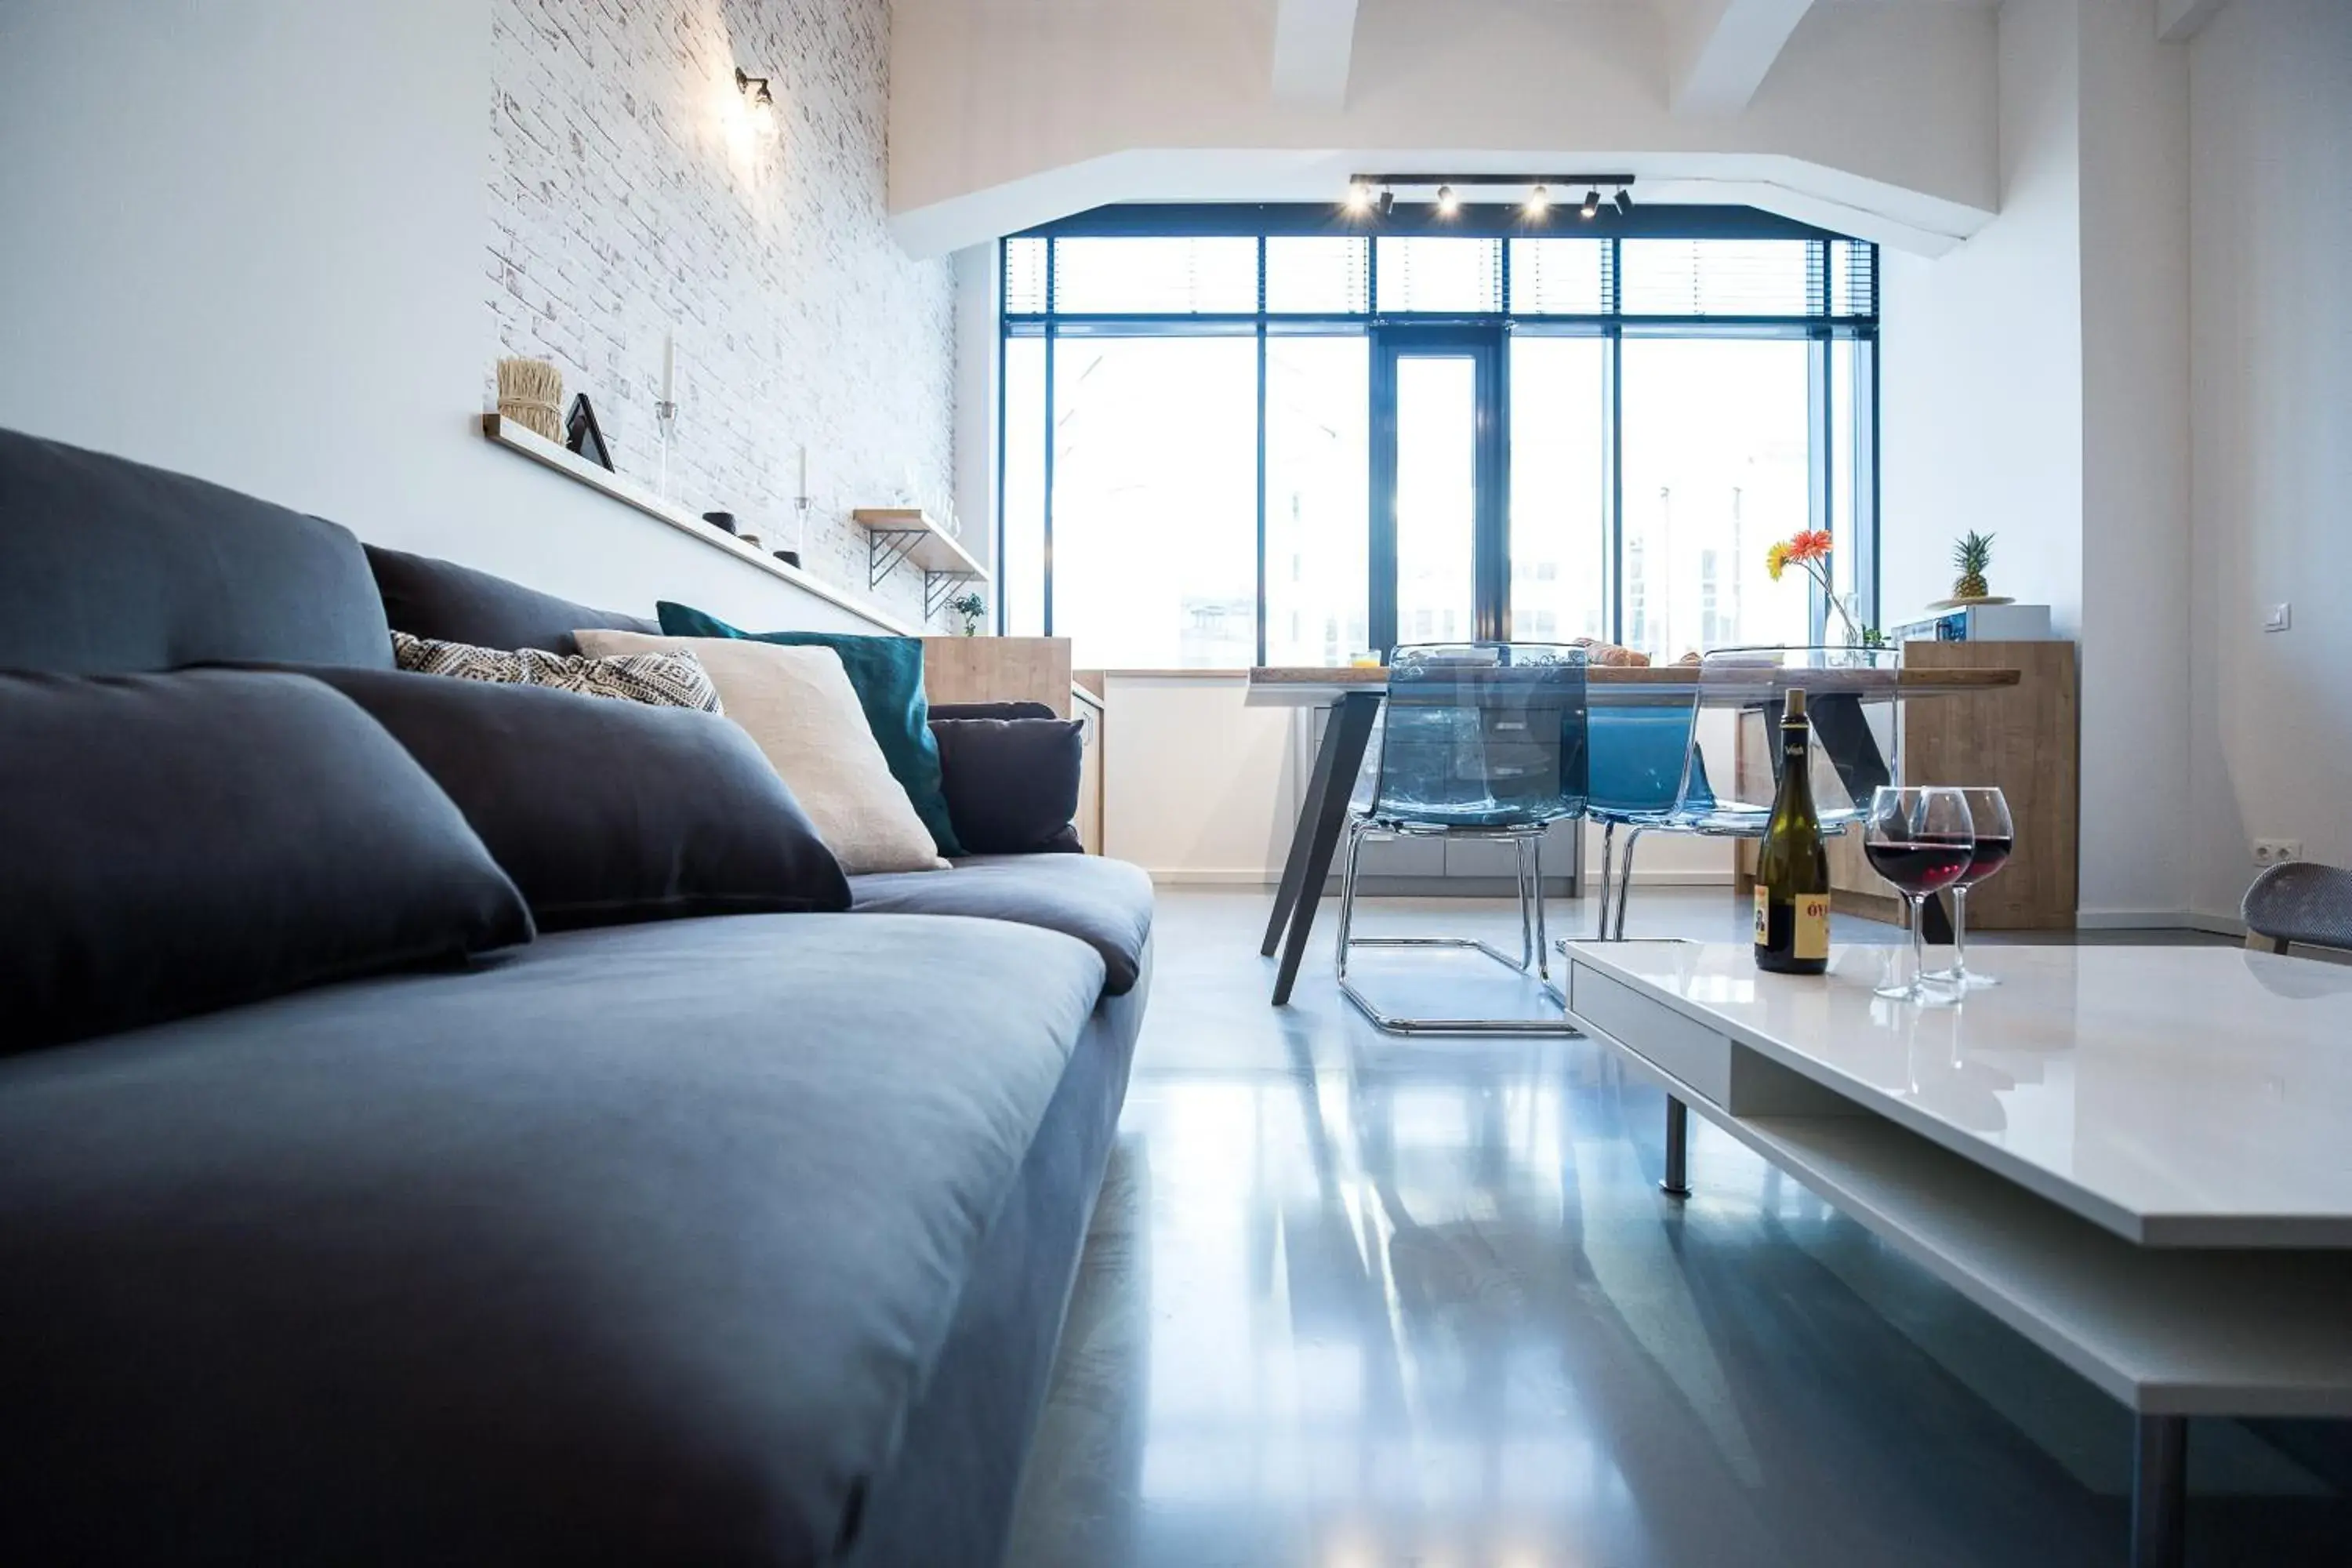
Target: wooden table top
1817, 682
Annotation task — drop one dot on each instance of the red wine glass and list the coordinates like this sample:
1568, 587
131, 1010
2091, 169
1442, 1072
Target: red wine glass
1995, 836
1922, 839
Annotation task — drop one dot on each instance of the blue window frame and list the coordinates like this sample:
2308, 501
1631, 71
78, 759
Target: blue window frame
1198, 425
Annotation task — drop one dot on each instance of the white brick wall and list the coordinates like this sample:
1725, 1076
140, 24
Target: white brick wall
631, 193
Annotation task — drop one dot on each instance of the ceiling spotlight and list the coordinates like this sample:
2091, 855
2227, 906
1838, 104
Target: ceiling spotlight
1388, 203
1360, 197
1591, 203
1539, 201
1448, 204
1624, 202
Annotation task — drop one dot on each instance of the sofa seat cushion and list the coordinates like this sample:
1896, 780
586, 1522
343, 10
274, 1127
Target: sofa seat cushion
1107, 904
639, 1246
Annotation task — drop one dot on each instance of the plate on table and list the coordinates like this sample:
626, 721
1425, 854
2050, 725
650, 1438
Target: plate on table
1941, 605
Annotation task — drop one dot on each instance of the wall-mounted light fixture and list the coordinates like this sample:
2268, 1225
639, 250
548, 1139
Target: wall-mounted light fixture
1535, 209
755, 93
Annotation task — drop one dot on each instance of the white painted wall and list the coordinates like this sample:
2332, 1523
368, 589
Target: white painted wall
2270, 156
245, 238
1981, 374
2036, 386
1879, 119
2134, 654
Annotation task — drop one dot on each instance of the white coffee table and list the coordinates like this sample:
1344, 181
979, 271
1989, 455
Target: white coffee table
2138, 1157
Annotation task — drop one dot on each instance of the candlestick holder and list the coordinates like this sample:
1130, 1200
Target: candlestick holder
665, 421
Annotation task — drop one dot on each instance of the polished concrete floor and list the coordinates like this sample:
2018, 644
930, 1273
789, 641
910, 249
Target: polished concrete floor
1357, 1301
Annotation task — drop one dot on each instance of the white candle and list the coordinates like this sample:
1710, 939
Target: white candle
802, 493
669, 367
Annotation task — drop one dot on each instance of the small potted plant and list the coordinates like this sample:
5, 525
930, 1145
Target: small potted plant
969, 606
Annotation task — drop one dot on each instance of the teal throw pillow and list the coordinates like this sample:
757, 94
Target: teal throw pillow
888, 675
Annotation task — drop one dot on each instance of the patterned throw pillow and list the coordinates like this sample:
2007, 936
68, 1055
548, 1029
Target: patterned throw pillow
662, 679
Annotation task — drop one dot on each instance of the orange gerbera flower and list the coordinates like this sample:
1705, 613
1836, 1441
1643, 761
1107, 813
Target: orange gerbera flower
1810, 546
1775, 560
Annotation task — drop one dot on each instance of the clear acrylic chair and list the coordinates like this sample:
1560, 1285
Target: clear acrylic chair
1732, 770
1477, 740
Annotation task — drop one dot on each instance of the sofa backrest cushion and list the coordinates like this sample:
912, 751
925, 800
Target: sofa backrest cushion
449, 603
1012, 783
194, 840
108, 566
605, 811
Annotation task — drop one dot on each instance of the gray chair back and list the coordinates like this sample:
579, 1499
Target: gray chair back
2300, 900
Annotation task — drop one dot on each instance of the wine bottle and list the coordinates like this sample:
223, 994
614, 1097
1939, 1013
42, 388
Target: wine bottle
1792, 864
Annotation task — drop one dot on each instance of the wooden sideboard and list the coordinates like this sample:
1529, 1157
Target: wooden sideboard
2026, 740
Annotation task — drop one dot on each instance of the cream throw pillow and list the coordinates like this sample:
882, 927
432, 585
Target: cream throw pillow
799, 708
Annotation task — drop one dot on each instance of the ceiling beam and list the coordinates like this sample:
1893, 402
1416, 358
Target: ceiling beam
2177, 21
1312, 42
1723, 48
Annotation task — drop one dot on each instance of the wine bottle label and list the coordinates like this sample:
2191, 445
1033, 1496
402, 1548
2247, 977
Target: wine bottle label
1763, 916
1812, 925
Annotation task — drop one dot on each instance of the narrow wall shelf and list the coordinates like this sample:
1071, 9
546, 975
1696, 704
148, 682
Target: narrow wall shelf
538, 450
900, 536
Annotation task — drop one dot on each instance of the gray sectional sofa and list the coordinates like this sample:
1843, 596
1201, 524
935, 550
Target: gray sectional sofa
732, 1240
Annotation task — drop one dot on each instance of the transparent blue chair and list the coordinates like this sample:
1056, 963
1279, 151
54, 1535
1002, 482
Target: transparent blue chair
1479, 741
1854, 702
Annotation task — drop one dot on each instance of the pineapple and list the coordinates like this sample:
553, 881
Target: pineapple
1972, 556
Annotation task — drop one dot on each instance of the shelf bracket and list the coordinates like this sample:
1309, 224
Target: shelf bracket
937, 585
886, 550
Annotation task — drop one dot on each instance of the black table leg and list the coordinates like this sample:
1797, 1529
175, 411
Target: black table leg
1320, 820
1293, 865
1852, 750
2160, 1491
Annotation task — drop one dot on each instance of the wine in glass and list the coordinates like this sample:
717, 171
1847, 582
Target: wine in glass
1922, 839
1995, 836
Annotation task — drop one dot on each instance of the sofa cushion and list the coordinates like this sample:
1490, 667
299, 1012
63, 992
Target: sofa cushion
449, 603
194, 840
1107, 904
662, 679
1012, 784
797, 705
888, 675
638, 1248
604, 811
108, 566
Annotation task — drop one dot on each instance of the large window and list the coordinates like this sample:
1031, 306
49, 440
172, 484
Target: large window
1240, 435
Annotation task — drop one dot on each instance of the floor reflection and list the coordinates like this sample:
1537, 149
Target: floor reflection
1355, 1300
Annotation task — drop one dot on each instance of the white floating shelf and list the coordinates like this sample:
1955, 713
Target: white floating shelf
506, 433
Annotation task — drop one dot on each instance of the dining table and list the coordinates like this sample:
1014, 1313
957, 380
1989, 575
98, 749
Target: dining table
1835, 700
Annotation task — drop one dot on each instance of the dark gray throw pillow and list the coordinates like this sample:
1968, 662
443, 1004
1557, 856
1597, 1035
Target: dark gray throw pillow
449, 603
182, 842
607, 812
1012, 784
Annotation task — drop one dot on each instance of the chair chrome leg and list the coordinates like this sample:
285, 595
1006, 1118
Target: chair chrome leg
1625, 885
1527, 914
1351, 851
1536, 892
1677, 1182
1608, 867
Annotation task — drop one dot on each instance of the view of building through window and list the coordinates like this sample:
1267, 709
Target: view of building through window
1188, 483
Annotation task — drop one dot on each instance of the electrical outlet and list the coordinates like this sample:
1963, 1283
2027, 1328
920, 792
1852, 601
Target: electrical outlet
2272, 851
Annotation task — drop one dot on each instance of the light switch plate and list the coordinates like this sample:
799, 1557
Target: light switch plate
2280, 617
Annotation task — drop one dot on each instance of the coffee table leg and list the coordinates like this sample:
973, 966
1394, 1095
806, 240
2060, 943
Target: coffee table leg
1677, 1182
2160, 1491
1327, 808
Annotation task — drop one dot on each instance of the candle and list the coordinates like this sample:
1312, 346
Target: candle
669, 367
802, 494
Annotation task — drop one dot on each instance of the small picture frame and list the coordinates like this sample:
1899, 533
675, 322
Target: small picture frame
582, 433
